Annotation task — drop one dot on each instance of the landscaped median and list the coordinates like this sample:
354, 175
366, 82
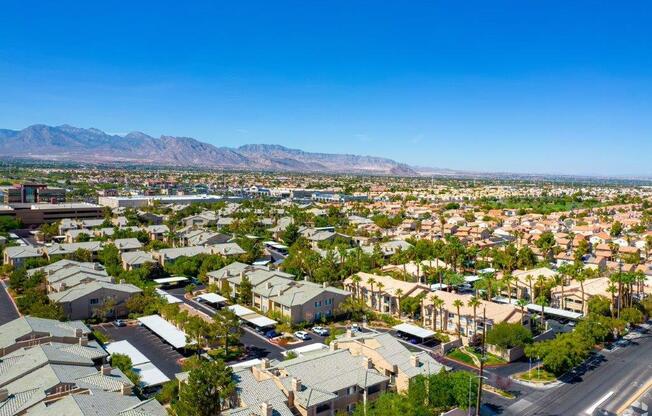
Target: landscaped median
472, 358
537, 375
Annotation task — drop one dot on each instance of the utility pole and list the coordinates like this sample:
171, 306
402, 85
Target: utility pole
482, 360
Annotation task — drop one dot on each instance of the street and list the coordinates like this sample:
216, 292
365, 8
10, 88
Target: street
601, 386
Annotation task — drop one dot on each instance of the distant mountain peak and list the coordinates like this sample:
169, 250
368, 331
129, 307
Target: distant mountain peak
69, 143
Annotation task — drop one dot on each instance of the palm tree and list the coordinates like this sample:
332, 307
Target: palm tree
399, 294
530, 279
522, 303
581, 278
435, 301
371, 282
458, 304
439, 303
355, 279
541, 301
612, 289
541, 283
508, 279
474, 302
380, 295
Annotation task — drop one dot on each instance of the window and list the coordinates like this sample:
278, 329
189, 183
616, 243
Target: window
373, 389
95, 301
318, 304
323, 408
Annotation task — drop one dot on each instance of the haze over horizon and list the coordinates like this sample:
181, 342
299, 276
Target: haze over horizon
510, 87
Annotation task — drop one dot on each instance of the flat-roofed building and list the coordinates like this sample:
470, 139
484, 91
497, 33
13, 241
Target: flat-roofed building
36, 214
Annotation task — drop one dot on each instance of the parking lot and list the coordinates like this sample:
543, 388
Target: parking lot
159, 353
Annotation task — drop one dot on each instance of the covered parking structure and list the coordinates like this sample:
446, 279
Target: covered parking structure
150, 375
252, 318
165, 330
172, 281
421, 335
556, 312
212, 298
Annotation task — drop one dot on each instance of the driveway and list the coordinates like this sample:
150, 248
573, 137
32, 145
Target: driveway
159, 353
8, 311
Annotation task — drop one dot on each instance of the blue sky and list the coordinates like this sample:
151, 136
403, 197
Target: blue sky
542, 87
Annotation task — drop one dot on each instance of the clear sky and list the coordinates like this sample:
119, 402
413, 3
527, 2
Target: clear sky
522, 86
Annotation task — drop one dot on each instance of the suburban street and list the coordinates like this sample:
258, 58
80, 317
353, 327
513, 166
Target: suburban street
601, 386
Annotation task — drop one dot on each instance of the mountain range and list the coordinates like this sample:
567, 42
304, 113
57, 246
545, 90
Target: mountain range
74, 144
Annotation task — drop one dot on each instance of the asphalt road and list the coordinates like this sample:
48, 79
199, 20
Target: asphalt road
8, 311
600, 386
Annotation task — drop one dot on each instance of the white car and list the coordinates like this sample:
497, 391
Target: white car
320, 330
302, 335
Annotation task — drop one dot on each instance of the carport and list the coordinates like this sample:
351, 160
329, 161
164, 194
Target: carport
150, 375
252, 318
420, 334
556, 312
212, 298
165, 330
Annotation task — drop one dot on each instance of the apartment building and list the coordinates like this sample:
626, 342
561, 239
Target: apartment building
278, 293
439, 312
389, 357
50, 368
383, 293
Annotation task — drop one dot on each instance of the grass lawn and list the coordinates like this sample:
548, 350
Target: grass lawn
537, 375
458, 355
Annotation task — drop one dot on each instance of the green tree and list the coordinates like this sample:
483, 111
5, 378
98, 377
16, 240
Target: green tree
123, 362
506, 335
246, 291
209, 387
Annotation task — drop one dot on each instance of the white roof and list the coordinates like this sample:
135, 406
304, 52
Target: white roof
251, 316
260, 321
173, 279
246, 364
472, 278
307, 348
150, 375
417, 331
240, 310
212, 297
170, 333
554, 311
168, 298
124, 347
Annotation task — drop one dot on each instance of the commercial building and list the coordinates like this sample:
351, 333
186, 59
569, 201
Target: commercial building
40, 213
32, 193
140, 201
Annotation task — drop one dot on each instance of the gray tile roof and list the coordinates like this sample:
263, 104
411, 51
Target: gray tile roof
82, 290
322, 375
25, 325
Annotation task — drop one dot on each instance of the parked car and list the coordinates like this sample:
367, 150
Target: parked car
355, 328
303, 335
320, 330
119, 323
271, 334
